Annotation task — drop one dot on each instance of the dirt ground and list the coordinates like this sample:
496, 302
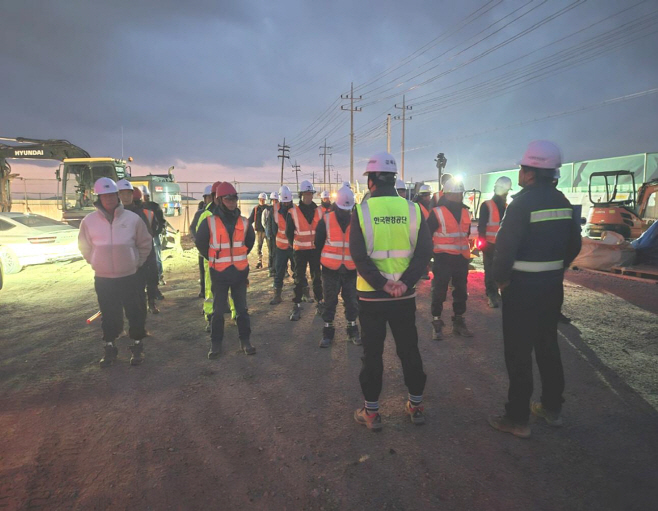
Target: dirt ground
275, 430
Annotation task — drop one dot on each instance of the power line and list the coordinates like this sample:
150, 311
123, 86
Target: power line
351, 109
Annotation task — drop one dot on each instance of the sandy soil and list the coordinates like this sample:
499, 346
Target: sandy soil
275, 430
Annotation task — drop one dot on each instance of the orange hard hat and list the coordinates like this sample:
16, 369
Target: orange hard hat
224, 189
214, 187
137, 194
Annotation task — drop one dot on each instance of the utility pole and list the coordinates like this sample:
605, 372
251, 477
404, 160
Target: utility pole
352, 109
388, 133
403, 117
324, 154
284, 150
296, 169
441, 162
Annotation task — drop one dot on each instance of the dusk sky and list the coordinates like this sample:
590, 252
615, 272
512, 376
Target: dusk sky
212, 87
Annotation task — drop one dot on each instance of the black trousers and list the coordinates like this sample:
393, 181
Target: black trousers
312, 259
334, 282
531, 305
487, 258
116, 296
401, 317
448, 267
202, 274
220, 289
148, 278
281, 265
271, 246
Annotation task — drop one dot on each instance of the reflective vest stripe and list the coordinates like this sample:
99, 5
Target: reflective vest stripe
493, 225
222, 255
544, 215
538, 266
336, 250
304, 233
451, 237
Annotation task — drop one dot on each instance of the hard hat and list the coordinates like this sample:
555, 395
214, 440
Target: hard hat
225, 189
325, 195
207, 190
381, 162
274, 196
262, 195
285, 195
213, 188
105, 185
542, 154
445, 177
137, 194
124, 184
502, 185
453, 185
425, 189
306, 186
145, 190
399, 185
345, 198
347, 183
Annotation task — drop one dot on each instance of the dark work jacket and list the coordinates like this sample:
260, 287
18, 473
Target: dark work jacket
484, 214
195, 220
343, 218
158, 214
366, 267
257, 216
519, 240
202, 242
307, 211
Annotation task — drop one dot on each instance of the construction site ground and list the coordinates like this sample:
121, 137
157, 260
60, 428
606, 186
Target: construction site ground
275, 430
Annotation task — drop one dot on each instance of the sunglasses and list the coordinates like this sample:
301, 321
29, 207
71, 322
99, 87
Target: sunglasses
230, 198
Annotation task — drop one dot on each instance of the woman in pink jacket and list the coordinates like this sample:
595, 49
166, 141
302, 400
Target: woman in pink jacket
116, 242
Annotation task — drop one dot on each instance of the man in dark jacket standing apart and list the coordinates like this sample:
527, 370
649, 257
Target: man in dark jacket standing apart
390, 245
537, 240
225, 239
256, 219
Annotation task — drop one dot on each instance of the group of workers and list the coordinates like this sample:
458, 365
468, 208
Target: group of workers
373, 254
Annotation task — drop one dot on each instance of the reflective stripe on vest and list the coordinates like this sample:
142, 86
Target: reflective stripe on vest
280, 221
534, 267
494, 221
304, 233
223, 252
544, 215
336, 250
390, 229
451, 237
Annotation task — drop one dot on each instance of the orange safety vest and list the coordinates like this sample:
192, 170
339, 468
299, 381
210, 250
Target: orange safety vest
280, 220
451, 237
149, 216
304, 233
336, 250
224, 252
494, 221
424, 210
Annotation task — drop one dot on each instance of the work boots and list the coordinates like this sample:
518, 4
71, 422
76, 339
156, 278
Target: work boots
153, 308
277, 296
438, 325
306, 295
137, 351
328, 333
215, 350
459, 327
110, 355
353, 333
247, 347
296, 312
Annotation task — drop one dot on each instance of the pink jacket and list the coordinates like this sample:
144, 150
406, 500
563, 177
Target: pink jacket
115, 247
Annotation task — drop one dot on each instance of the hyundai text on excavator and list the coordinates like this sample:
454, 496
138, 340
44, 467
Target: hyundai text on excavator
618, 209
77, 173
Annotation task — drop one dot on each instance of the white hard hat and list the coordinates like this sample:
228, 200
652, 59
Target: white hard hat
145, 190
425, 189
381, 162
325, 195
502, 185
542, 154
124, 184
399, 185
207, 190
274, 196
345, 198
105, 185
453, 185
347, 183
262, 195
306, 186
285, 195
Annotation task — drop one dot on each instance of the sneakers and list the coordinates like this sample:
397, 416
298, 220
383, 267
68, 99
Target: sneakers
415, 413
438, 325
137, 357
506, 425
459, 327
552, 418
109, 357
372, 421
296, 312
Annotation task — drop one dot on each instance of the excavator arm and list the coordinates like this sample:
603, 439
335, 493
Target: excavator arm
31, 149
